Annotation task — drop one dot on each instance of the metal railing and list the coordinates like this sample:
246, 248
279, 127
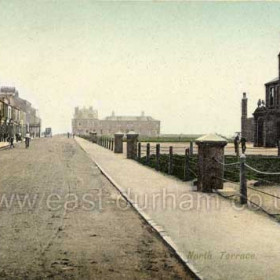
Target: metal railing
177, 161
245, 172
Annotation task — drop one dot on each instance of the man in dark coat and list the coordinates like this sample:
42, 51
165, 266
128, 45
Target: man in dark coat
236, 145
243, 144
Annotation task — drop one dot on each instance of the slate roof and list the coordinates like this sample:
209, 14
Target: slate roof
129, 118
273, 81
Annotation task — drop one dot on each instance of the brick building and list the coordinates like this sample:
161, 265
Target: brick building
264, 127
16, 114
86, 121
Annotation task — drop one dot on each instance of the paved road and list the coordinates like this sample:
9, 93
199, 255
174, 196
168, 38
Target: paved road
61, 219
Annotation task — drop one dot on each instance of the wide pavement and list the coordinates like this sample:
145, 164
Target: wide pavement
215, 236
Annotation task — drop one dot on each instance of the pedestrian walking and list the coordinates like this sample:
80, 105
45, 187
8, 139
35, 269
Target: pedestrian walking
68, 135
236, 145
27, 140
12, 141
243, 144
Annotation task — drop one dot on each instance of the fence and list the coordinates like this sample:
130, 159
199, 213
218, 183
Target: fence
239, 172
177, 161
105, 141
182, 162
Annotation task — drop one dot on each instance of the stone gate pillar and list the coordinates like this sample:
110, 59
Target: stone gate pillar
118, 145
210, 157
93, 137
132, 139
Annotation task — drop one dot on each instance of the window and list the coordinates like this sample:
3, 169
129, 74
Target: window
1, 109
271, 96
9, 112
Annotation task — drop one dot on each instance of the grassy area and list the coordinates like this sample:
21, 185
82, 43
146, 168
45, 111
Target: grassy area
158, 139
261, 163
178, 165
166, 139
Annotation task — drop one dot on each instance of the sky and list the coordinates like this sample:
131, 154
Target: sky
184, 63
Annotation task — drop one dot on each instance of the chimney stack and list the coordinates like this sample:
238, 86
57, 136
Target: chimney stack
244, 105
279, 66
244, 115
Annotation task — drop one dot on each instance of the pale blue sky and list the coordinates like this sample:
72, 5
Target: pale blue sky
185, 63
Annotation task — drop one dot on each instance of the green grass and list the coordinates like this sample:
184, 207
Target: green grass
178, 165
262, 163
165, 138
232, 173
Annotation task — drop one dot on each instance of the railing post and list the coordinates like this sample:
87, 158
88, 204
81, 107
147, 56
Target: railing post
170, 161
131, 145
187, 165
243, 180
157, 156
191, 148
210, 171
118, 143
148, 154
139, 151
94, 137
279, 148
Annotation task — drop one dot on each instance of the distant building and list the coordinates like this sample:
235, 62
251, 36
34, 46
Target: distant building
264, 127
86, 121
16, 114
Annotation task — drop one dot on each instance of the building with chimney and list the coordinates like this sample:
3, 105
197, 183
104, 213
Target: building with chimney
17, 115
264, 127
85, 121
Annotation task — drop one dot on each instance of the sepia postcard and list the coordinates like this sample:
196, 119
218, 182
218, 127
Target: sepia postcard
139, 140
